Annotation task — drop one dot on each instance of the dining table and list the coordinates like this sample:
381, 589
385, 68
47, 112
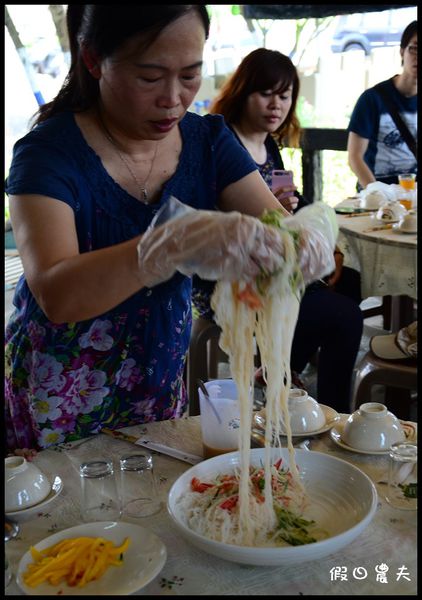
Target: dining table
386, 259
380, 561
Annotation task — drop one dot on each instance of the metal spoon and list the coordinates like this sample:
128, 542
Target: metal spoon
11, 529
207, 396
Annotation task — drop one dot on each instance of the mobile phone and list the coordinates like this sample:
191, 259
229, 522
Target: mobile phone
280, 178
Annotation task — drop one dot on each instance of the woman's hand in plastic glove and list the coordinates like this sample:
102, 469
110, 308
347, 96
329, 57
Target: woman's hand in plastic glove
213, 245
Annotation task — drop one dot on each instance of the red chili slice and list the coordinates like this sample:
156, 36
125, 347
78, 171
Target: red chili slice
230, 503
197, 486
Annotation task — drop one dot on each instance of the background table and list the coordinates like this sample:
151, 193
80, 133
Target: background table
390, 539
386, 260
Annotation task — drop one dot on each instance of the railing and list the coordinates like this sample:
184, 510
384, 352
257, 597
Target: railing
313, 142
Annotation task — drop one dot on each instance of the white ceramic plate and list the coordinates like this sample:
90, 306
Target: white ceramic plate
142, 561
343, 501
31, 512
405, 231
336, 432
331, 418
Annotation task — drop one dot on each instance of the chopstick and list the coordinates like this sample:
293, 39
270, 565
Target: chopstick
192, 459
361, 214
120, 435
379, 228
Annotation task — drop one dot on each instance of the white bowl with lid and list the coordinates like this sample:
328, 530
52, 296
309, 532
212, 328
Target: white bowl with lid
306, 414
372, 428
373, 199
409, 222
24, 484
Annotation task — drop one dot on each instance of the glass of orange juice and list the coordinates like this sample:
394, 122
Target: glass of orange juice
406, 200
407, 180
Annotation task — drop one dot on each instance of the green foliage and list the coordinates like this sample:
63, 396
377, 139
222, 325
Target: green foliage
338, 181
305, 112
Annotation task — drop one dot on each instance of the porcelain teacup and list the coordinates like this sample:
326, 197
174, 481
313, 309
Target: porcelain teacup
373, 200
391, 212
409, 221
306, 415
372, 428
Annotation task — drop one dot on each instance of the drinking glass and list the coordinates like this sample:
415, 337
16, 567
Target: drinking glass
100, 499
403, 476
407, 181
220, 417
138, 489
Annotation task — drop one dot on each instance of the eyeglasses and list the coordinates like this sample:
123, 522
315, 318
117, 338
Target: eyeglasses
413, 49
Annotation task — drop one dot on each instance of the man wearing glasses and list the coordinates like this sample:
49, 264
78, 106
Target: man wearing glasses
383, 125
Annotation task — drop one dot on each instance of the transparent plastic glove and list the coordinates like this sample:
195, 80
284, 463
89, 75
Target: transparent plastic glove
213, 245
318, 229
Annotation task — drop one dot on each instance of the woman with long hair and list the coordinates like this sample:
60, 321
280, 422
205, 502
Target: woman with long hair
102, 317
259, 103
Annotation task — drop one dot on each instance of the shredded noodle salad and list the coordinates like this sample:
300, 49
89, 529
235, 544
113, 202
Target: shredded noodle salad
211, 508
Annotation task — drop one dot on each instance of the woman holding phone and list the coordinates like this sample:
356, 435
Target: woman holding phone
259, 103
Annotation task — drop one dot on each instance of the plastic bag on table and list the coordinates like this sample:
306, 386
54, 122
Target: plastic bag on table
318, 229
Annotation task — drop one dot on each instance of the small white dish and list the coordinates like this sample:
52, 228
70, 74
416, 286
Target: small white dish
336, 433
331, 418
24, 484
143, 560
27, 514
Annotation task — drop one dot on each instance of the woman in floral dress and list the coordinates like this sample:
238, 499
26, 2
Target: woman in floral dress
102, 318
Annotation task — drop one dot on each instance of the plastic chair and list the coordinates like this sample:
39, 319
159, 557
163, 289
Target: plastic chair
383, 309
203, 357
389, 373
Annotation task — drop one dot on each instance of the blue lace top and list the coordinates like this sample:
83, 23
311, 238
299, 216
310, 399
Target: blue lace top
66, 381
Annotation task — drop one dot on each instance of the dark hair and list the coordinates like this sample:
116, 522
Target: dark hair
261, 70
408, 33
104, 29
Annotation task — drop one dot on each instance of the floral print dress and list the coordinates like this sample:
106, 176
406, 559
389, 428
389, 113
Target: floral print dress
67, 381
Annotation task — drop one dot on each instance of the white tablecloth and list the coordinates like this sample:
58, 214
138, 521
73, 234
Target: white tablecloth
389, 540
386, 259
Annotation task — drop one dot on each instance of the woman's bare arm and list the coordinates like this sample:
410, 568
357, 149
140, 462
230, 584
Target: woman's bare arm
67, 285
250, 195
70, 286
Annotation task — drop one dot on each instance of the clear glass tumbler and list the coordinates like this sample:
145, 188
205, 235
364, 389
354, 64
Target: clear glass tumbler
100, 499
407, 180
138, 488
403, 476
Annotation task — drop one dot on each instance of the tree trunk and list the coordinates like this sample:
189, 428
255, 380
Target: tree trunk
21, 50
12, 30
59, 17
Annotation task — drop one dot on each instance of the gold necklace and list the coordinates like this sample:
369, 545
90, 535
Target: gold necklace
142, 186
